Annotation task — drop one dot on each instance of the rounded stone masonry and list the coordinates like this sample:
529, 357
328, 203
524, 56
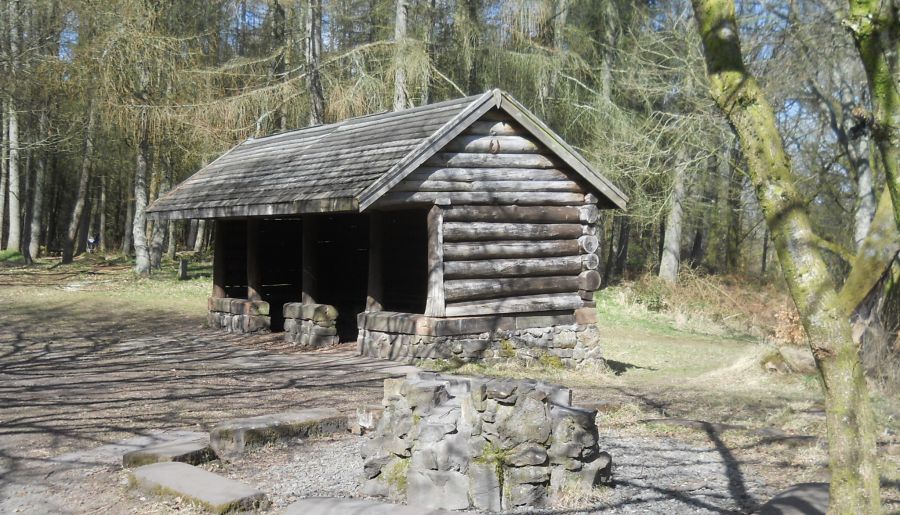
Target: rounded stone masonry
566, 346
491, 444
238, 315
310, 326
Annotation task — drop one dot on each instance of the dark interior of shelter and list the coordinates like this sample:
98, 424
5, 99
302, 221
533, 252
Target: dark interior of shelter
339, 262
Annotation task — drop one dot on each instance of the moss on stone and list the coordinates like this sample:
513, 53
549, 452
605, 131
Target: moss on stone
396, 475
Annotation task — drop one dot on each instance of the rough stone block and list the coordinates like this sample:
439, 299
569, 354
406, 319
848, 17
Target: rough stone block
233, 437
211, 491
422, 396
525, 454
527, 423
222, 304
314, 312
484, 486
565, 340
524, 494
438, 489
192, 450
535, 475
255, 323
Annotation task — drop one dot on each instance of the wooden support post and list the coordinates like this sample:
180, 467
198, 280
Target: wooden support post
219, 260
435, 305
254, 281
375, 287
309, 282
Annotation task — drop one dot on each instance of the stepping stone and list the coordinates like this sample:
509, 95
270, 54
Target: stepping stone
192, 451
801, 499
211, 491
337, 506
232, 438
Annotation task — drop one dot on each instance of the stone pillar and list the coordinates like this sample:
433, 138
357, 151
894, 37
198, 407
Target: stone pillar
218, 290
309, 281
254, 281
375, 289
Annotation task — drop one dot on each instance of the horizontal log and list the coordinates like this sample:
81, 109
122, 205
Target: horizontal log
478, 289
491, 268
588, 244
587, 295
495, 128
534, 214
590, 261
509, 249
589, 280
484, 231
487, 186
526, 304
488, 174
523, 198
469, 160
494, 145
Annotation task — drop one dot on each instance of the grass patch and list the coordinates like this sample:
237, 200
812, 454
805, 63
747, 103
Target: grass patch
12, 257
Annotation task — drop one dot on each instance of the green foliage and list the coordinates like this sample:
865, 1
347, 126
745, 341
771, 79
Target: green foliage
11, 256
396, 474
550, 361
507, 349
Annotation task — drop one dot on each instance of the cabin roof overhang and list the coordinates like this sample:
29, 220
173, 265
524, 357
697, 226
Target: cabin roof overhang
348, 166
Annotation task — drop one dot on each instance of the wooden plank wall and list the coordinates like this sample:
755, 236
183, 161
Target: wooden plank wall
517, 230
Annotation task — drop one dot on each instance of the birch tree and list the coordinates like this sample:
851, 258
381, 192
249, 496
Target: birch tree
825, 310
14, 241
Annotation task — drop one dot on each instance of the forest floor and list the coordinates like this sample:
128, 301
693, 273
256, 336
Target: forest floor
89, 356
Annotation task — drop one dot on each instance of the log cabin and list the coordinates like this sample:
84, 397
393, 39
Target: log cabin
464, 230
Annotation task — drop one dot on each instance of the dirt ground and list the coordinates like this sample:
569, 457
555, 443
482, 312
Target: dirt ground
90, 356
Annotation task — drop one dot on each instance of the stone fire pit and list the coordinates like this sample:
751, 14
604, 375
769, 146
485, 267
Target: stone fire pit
457, 442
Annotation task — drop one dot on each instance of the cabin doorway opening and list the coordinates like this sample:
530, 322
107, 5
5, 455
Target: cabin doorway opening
280, 265
342, 260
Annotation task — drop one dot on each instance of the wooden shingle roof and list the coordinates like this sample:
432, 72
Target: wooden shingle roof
345, 166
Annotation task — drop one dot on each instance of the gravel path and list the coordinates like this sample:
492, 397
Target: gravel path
658, 475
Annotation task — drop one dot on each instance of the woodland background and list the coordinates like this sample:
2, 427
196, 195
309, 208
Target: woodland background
107, 104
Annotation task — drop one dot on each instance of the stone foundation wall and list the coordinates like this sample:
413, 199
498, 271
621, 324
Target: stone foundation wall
458, 443
310, 325
238, 315
564, 345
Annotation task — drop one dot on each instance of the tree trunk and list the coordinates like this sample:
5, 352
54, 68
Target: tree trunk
87, 155
671, 256
470, 35
128, 228
733, 203
14, 241
200, 240
875, 27
160, 227
622, 248
142, 163
401, 97
102, 225
313, 59
849, 418
278, 66
172, 248
4, 169
37, 210
191, 233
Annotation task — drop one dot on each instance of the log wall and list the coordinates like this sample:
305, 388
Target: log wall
516, 227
